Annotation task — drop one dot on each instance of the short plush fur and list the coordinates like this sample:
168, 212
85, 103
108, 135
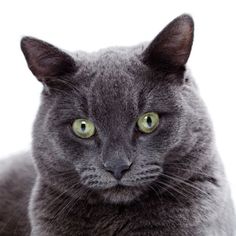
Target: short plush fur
173, 183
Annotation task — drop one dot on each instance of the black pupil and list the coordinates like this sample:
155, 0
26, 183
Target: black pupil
149, 121
83, 127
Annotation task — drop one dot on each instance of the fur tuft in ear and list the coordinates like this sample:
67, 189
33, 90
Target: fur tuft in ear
172, 46
45, 60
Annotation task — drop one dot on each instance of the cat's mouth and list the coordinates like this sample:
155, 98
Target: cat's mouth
121, 194
123, 190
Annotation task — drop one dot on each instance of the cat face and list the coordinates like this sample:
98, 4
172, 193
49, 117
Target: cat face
112, 89
113, 100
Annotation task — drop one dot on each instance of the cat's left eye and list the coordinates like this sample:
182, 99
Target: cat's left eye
83, 128
148, 122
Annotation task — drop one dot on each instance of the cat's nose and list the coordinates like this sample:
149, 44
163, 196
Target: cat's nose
117, 167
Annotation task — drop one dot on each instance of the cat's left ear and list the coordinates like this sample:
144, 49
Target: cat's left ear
171, 48
45, 60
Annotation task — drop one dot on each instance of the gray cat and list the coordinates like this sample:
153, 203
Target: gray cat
122, 145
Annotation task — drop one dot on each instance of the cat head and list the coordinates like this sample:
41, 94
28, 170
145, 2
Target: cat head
111, 121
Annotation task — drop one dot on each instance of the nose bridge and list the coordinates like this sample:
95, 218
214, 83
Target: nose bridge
115, 149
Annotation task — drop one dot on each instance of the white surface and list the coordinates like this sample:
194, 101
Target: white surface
90, 25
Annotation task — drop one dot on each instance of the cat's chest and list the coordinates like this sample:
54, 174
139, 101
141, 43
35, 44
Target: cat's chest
152, 217
117, 221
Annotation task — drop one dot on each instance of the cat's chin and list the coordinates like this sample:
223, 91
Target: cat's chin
121, 194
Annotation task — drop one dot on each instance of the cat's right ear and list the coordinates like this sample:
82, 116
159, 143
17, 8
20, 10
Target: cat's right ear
45, 60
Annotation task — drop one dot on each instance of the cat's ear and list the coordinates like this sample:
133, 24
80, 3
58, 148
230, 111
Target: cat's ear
45, 60
172, 46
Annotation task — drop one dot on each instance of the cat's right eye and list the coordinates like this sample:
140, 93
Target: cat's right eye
83, 128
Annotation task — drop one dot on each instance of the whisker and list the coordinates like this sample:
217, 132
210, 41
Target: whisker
200, 173
73, 184
168, 187
62, 206
183, 181
188, 165
154, 190
181, 191
168, 190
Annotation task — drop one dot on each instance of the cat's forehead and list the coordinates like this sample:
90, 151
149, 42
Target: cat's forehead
113, 89
117, 85
110, 59
111, 72
112, 82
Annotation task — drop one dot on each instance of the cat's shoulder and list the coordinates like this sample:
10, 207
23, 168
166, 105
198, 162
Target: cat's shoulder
16, 172
17, 176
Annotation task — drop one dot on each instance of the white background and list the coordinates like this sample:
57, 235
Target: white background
90, 25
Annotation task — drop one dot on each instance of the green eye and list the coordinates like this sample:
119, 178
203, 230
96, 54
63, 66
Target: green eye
148, 122
83, 128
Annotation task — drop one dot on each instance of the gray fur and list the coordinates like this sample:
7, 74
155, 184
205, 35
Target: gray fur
176, 184
17, 177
